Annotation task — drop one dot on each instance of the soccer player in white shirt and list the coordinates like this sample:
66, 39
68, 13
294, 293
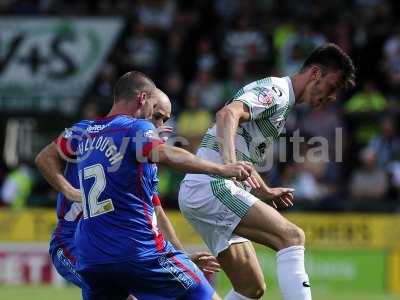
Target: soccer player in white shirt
227, 215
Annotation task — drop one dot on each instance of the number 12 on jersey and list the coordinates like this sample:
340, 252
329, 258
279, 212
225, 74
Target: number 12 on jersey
92, 207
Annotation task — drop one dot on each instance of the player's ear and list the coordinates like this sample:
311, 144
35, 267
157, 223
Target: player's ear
316, 72
141, 98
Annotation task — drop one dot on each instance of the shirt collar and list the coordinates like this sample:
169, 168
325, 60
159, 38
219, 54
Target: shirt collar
291, 91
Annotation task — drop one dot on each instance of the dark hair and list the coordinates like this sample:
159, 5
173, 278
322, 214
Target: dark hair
331, 57
130, 84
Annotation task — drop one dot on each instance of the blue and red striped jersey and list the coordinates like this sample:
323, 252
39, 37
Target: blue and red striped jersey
118, 183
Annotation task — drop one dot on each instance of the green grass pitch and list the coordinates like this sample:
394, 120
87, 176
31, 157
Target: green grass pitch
72, 293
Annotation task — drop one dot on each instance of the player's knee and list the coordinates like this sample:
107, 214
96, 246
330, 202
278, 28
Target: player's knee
255, 290
259, 291
294, 236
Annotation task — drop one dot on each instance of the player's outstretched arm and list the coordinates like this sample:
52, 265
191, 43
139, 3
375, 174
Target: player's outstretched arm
50, 164
185, 161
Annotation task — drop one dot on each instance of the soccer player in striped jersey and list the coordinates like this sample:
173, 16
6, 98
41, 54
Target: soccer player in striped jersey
229, 215
69, 208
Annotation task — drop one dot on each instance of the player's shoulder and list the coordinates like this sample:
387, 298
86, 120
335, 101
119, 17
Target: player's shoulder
126, 122
142, 124
267, 96
122, 121
276, 89
77, 128
82, 123
280, 84
144, 128
266, 91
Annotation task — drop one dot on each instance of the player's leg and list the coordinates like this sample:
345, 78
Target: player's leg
201, 290
148, 296
264, 225
105, 294
166, 275
215, 209
65, 266
240, 264
104, 282
215, 296
199, 294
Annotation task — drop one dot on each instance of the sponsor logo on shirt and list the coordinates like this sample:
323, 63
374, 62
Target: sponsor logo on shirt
96, 128
277, 90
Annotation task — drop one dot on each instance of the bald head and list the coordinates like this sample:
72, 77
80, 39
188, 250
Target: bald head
162, 108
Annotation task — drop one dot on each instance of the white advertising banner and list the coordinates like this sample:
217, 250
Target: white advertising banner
25, 263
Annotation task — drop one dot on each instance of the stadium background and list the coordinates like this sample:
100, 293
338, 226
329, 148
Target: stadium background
60, 59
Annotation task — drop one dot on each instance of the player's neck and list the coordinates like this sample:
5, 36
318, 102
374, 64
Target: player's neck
120, 108
298, 82
115, 111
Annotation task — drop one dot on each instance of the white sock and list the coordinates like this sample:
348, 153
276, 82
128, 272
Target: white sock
292, 276
232, 295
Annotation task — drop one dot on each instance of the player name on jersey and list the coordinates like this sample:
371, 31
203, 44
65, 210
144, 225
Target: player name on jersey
103, 144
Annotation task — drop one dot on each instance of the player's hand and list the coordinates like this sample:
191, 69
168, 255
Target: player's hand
279, 197
240, 170
252, 182
206, 262
73, 195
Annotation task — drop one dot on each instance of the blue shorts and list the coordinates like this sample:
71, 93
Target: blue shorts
65, 263
170, 275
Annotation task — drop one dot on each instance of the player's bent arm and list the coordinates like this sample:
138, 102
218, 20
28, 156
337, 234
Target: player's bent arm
227, 120
166, 228
279, 196
263, 190
50, 164
186, 162
204, 260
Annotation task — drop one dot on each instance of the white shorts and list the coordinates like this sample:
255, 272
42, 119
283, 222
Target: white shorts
214, 208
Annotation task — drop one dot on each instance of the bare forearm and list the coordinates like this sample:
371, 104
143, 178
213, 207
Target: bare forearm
227, 124
167, 229
184, 161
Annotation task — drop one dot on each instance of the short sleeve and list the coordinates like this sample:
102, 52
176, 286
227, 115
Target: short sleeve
67, 141
63, 145
156, 200
259, 100
145, 137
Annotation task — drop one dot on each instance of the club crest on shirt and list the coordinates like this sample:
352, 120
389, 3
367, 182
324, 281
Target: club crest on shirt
68, 133
148, 133
265, 96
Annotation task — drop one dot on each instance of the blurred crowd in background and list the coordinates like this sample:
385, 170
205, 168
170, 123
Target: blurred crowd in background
201, 52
